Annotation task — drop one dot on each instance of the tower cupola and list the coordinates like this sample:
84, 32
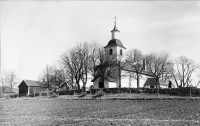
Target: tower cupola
114, 48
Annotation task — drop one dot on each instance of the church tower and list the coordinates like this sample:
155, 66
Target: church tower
114, 49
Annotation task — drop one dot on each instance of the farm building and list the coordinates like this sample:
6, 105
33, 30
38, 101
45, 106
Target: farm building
30, 87
151, 83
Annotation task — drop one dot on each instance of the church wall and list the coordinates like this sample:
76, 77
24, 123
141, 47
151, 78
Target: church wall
114, 52
106, 84
118, 51
112, 85
89, 81
96, 83
125, 82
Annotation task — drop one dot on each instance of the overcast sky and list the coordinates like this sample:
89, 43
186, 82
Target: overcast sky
36, 33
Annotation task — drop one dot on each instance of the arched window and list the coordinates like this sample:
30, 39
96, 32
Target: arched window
110, 52
120, 51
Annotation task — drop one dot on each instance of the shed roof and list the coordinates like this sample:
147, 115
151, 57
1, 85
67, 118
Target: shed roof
32, 83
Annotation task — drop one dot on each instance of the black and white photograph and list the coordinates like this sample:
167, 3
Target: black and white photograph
100, 63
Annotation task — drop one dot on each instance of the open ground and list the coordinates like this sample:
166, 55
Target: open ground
60, 111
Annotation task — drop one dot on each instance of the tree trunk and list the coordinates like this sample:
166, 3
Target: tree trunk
11, 89
119, 75
83, 88
157, 84
78, 86
120, 82
157, 81
138, 82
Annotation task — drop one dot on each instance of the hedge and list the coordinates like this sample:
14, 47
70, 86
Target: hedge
173, 91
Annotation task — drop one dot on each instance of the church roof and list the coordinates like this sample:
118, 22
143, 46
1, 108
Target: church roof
115, 42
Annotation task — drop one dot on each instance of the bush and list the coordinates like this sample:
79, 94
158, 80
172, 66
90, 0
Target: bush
69, 92
53, 95
83, 94
99, 93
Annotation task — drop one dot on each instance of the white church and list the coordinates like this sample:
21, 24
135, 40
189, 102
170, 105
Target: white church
115, 49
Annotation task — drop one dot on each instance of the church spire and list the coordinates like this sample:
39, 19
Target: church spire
115, 20
115, 31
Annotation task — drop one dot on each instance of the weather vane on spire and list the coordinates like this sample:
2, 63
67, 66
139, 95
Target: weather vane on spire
115, 19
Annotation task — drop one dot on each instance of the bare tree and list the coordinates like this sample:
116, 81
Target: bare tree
69, 79
10, 79
71, 63
156, 64
105, 67
135, 60
76, 61
198, 82
94, 55
58, 76
47, 76
182, 71
53, 76
83, 51
120, 65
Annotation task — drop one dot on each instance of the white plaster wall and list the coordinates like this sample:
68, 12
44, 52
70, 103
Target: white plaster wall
146, 86
131, 82
114, 54
115, 35
112, 85
106, 84
89, 81
125, 82
96, 83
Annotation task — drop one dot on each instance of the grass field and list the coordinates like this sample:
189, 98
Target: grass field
59, 111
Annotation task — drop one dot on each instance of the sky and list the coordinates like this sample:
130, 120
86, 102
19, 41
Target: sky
36, 33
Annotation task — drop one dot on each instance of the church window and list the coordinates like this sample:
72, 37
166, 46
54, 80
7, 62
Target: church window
110, 52
120, 51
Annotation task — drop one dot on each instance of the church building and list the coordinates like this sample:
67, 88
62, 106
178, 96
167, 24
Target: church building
114, 51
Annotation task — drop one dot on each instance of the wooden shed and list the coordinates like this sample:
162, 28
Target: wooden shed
30, 87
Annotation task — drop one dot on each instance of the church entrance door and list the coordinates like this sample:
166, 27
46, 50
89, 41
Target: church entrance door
101, 83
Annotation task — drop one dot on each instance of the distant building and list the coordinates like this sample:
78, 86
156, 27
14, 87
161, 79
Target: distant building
7, 90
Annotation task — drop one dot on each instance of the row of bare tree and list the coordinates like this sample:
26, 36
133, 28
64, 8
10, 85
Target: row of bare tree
89, 59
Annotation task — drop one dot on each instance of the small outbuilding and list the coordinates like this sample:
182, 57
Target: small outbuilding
6, 90
151, 83
30, 87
